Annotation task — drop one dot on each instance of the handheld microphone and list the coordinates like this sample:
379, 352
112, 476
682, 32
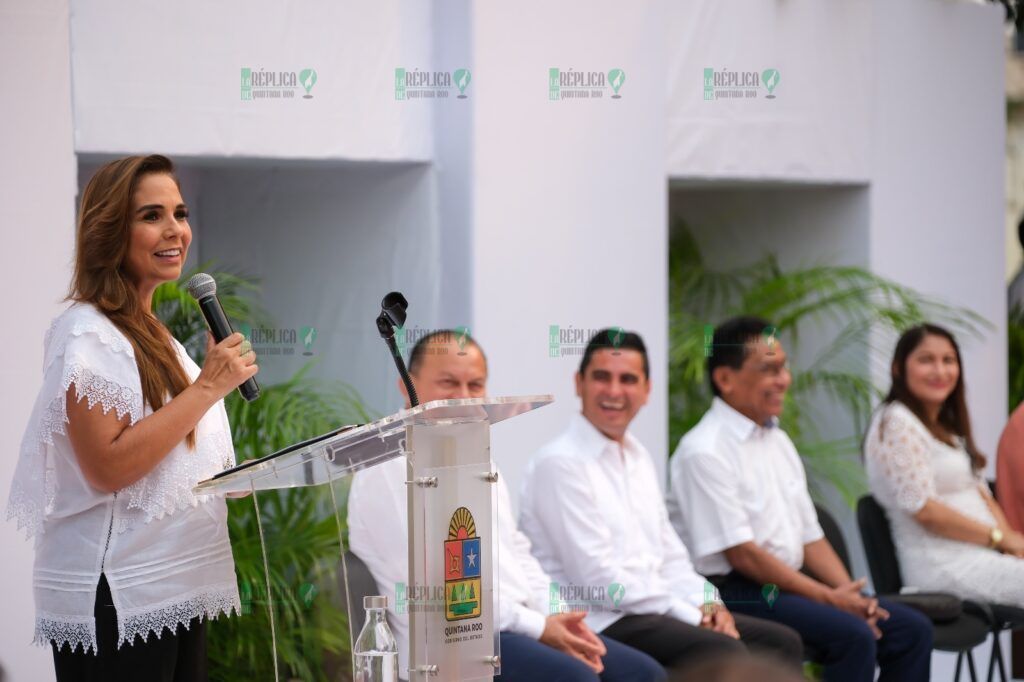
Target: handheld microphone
203, 288
392, 314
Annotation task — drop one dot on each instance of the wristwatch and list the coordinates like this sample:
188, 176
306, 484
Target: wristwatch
995, 538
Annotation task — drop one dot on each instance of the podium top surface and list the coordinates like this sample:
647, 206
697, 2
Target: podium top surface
351, 448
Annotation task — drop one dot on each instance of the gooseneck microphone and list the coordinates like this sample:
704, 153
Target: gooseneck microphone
392, 314
203, 288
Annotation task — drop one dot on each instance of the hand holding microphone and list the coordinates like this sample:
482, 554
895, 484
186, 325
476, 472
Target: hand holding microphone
231, 362
228, 366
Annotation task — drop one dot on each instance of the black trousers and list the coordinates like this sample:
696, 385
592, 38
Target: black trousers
843, 643
678, 645
173, 657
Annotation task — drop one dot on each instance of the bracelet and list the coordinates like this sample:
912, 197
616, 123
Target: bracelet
995, 538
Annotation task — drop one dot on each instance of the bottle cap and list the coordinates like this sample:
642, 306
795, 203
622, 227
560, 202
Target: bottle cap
375, 602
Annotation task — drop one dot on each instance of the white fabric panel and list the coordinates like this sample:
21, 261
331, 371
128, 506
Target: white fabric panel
327, 245
937, 190
816, 127
37, 189
157, 76
570, 206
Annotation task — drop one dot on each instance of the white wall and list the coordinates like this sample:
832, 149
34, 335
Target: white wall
327, 243
815, 129
37, 189
180, 93
569, 220
453, 48
937, 192
802, 225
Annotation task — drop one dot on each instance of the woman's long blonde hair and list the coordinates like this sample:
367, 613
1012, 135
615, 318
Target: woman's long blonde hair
101, 249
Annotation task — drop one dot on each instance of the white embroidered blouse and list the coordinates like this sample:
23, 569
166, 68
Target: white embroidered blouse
164, 550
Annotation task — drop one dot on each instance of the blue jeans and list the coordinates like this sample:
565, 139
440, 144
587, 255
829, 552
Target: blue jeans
525, 658
847, 647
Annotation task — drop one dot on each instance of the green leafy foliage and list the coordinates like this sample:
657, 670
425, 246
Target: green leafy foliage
299, 526
858, 313
1015, 348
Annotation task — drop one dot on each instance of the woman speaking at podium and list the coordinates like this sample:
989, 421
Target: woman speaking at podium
128, 562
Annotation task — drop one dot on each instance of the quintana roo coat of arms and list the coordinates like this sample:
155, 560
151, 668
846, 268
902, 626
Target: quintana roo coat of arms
462, 565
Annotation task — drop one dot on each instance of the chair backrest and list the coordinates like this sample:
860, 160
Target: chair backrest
360, 584
834, 534
878, 546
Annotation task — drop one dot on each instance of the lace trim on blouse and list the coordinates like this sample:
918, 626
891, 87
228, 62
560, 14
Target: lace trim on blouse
166, 489
61, 630
208, 603
23, 505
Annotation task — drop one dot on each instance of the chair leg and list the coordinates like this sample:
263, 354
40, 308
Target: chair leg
996, 659
1017, 654
970, 666
959, 666
999, 660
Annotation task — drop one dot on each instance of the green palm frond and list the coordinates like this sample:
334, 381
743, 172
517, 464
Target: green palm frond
858, 312
299, 526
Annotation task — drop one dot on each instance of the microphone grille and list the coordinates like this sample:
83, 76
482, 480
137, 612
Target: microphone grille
201, 285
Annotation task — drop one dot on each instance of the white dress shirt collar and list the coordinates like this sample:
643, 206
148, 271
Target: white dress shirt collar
595, 515
742, 426
592, 442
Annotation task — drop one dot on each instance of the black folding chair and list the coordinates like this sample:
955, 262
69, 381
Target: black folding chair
959, 635
1001, 617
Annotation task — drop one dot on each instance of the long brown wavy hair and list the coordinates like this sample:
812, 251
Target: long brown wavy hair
953, 415
101, 249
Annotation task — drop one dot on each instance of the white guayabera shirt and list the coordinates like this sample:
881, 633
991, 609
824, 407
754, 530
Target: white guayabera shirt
164, 550
735, 482
594, 512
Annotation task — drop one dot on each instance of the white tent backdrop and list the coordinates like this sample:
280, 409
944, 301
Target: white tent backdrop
506, 211
816, 128
151, 75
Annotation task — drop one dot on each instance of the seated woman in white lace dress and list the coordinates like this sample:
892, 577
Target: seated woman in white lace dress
129, 562
925, 470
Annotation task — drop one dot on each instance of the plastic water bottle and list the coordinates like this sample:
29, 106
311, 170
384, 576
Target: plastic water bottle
375, 651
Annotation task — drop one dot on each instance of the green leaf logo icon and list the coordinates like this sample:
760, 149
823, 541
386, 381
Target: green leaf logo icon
462, 78
308, 79
616, 77
615, 335
616, 591
770, 592
770, 79
308, 336
460, 337
307, 592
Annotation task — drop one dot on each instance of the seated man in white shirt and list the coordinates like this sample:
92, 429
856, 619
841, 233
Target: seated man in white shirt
535, 643
594, 511
739, 499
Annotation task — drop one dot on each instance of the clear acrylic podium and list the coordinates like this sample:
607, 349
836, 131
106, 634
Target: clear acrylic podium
452, 599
